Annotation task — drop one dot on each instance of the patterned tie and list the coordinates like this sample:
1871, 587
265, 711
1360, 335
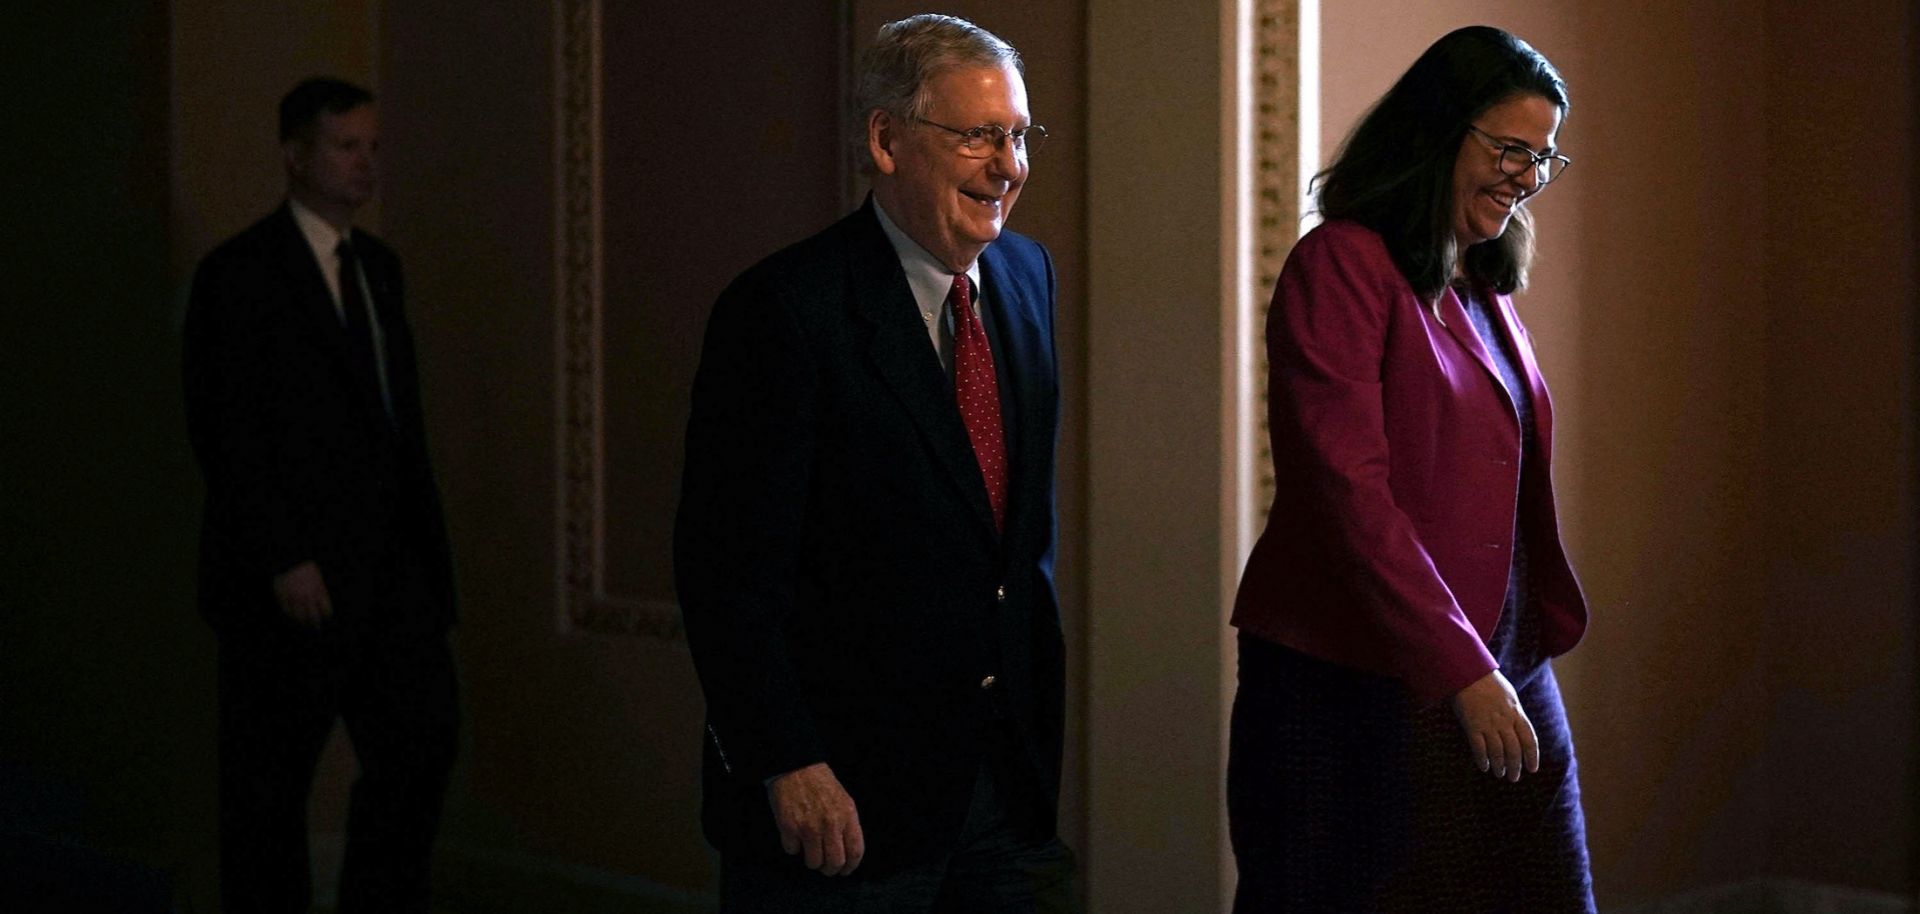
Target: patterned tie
977, 390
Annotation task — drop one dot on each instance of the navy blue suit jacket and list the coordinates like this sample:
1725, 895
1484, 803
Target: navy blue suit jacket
846, 595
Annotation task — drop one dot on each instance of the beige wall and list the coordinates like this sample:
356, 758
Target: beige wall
1156, 323
1840, 305
1725, 318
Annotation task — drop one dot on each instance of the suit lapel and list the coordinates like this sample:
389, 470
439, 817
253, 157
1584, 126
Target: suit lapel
1509, 324
1536, 382
1021, 339
1461, 326
898, 348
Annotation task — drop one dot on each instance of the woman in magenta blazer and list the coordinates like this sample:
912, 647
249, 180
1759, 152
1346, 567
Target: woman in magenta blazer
1398, 741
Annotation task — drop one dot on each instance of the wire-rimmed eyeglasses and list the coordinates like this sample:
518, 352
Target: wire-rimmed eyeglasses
1515, 160
983, 141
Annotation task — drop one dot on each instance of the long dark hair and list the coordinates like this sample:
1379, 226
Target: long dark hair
1394, 174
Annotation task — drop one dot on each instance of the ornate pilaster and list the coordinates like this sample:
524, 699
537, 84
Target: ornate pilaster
579, 300
1277, 183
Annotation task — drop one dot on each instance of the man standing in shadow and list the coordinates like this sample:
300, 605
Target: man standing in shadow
324, 564
864, 547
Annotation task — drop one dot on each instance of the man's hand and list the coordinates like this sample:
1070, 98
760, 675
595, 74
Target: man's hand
303, 595
1502, 737
817, 819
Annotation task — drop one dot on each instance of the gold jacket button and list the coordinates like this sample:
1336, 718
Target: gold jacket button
1000, 593
986, 683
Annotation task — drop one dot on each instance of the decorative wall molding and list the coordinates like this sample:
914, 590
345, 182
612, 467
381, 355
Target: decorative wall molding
579, 298
1276, 182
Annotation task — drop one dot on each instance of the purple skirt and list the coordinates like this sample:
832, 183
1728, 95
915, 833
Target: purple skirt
1344, 796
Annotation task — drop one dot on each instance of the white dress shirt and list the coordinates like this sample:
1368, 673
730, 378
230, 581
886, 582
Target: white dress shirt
930, 281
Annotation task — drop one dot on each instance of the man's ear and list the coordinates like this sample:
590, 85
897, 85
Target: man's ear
294, 153
883, 131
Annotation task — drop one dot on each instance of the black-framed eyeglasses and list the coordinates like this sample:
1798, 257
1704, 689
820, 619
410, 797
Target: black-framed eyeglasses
1515, 160
983, 141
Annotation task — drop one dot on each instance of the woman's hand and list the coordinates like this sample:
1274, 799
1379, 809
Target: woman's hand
1502, 737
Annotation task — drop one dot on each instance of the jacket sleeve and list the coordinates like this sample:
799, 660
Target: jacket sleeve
738, 533
1327, 334
235, 364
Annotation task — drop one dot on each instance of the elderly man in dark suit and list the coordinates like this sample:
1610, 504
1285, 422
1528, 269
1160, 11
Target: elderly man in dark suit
325, 569
864, 545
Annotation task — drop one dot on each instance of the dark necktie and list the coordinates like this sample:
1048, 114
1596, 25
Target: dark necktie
359, 323
977, 390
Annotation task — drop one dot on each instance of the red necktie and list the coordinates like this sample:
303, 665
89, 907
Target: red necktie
977, 390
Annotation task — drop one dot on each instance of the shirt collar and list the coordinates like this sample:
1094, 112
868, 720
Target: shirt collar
926, 275
320, 233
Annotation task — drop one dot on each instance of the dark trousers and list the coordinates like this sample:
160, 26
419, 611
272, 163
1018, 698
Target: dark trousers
279, 696
997, 868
